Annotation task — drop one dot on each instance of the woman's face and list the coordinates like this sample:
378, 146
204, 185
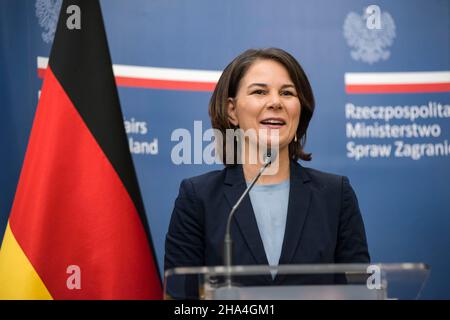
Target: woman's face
267, 99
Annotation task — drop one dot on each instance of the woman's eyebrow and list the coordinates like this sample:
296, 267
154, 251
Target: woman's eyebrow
257, 85
288, 85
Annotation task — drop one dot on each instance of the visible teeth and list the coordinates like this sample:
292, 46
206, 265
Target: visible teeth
272, 122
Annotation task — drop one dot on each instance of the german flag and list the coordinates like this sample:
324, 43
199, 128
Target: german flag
77, 228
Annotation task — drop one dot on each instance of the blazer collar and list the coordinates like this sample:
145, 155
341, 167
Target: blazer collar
235, 175
298, 207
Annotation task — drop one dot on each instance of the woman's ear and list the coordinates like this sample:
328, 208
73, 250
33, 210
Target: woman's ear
231, 110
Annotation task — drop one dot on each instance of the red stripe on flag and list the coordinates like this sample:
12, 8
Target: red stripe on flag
71, 208
41, 73
397, 88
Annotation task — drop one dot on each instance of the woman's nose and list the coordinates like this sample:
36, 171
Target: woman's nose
274, 101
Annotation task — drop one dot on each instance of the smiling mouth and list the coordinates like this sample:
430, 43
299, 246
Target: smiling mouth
273, 123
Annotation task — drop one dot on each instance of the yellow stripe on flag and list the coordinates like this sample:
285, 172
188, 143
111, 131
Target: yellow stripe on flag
18, 279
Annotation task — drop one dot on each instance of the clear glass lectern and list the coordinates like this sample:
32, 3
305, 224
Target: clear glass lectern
298, 282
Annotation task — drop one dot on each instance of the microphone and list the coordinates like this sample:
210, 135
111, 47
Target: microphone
269, 158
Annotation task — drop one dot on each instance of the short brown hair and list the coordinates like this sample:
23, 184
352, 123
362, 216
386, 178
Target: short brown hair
228, 85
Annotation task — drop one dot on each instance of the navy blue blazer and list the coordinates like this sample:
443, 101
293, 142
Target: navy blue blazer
324, 223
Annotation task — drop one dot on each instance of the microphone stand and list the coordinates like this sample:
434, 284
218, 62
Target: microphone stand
228, 243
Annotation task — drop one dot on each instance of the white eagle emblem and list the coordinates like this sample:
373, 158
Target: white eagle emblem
370, 44
47, 12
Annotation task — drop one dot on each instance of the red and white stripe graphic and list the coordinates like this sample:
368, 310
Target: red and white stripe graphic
156, 78
397, 82
205, 80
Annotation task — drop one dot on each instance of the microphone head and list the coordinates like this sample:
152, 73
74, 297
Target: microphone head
270, 156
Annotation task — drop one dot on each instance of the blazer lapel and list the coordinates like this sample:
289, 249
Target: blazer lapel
244, 216
298, 208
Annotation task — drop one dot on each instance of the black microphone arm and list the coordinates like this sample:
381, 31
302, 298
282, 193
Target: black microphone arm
228, 244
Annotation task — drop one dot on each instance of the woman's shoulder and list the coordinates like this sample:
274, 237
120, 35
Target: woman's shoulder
329, 185
323, 179
203, 183
321, 175
207, 177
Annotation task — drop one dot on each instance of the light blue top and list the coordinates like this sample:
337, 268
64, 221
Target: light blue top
270, 204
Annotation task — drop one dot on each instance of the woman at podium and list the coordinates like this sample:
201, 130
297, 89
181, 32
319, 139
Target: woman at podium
292, 214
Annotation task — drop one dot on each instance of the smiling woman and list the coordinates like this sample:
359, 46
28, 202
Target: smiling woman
272, 79
266, 99
294, 215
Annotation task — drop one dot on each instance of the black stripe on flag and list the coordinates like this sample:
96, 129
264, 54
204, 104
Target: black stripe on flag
81, 62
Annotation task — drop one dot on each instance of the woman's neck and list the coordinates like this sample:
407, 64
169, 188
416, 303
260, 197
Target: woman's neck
277, 176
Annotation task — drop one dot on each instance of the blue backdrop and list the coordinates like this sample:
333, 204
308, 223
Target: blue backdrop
405, 201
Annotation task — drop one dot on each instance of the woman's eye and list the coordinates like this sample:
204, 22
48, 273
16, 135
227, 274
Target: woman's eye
258, 92
287, 93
